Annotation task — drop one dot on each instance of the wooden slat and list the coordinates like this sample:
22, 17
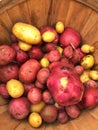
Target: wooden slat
3, 101
94, 113
25, 12
15, 14
4, 18
58, 11
90, 27
76, 15
85, 122
91, 3
6, 4
3, 108
7, 122
58, 126
25, 125
39, 11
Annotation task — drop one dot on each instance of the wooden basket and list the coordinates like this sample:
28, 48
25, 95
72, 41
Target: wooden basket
79, 14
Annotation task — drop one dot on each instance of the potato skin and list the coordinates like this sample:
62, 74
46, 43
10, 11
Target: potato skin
9, 71
27, 33
7, 54
28, 71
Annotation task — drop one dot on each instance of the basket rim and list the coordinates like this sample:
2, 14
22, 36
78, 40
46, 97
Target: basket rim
7, 4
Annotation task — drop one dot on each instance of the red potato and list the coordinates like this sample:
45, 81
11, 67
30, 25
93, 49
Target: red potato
3, 91
64, 60
9, 71
21, 56
79, 69
91, 84
49, 47
48, 28
68, 51
7, 54
75, 59
70, 37
46, 55
80, 52
62, 117
60, 65
40, 85
27, 87
54, 55
89, 99
73, 111
47, 97
49, 113
34, 95
28, 71
35, 53
19, 108
65, 86
43, 75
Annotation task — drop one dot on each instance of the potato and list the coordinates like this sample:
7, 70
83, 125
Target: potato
19, 108
40, 85
88, 61
27, 87
73, 111
37, 107
26, 33
35, 52
62, 117
21, 56
43, 75
28, 70
34, 95
94, 74
86, 48
9, 71
3, 91
84, 77
49, 113
7, 54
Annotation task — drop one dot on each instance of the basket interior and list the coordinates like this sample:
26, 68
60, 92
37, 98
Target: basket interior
48, 12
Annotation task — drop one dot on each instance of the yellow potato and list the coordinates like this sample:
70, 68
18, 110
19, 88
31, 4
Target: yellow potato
94, 74
60, 49
27, 33
24, 46
37, 107
59, 27
86, 48
48, 36
15, 88
44, 62
87, 61
84, 77
35, 120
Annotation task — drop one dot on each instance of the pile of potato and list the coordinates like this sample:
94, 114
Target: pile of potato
47, 74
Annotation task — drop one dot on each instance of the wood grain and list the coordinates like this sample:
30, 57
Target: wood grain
3, 101
7, 122
6, 4
91, 3
24, 125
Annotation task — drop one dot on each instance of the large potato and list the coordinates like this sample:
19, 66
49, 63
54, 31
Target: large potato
27, 33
